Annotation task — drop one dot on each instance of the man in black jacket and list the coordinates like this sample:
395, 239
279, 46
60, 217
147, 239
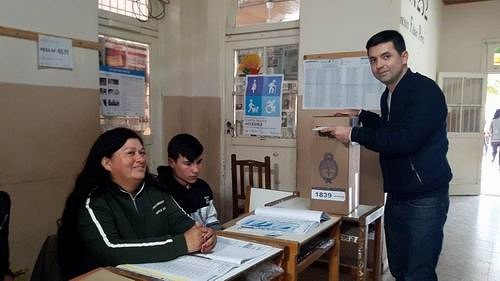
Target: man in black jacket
5, 273
410, 135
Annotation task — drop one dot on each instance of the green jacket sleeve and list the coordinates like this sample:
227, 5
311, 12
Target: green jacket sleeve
107, 245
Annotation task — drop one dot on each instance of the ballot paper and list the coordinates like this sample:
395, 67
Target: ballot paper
282, 220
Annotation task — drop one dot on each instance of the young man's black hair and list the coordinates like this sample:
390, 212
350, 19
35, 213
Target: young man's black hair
185, 145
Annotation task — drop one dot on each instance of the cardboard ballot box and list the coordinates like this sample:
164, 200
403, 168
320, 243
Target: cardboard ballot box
334, 169
371, 183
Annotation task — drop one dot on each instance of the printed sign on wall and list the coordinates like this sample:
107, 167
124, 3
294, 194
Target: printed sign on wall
122, 91
263, 95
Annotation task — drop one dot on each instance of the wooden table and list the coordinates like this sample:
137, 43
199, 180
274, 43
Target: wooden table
363, 216
293, 243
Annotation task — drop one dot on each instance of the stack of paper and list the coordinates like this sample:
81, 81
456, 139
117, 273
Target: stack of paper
228, 254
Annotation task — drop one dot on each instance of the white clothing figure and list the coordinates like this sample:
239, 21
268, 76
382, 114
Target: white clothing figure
254, 86
272, 87
270, 107
252, 107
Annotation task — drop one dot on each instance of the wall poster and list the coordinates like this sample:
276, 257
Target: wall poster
263, 95
122, 91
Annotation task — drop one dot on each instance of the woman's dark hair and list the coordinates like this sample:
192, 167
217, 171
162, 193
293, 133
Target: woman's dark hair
497, 114
388, 36
92, 179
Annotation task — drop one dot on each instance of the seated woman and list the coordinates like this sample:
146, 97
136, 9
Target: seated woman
5, 273
118, 213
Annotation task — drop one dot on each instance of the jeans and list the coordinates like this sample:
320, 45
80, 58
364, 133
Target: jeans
414, 236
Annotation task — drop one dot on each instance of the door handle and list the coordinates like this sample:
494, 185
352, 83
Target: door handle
229, 128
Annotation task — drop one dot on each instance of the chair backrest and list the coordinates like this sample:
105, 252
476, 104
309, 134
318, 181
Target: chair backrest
46, 266
243, 174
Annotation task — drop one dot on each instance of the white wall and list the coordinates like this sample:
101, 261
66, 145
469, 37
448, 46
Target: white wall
464, 27
65, 18
49, 118
343, 25
422, 35
193, 47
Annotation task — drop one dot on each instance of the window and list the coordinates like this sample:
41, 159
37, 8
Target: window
463, 96
124, 84
142, 10
131, 8
496, 57
262, 15
493, 56
252, 12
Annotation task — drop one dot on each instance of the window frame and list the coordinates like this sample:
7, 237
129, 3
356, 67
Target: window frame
491, 45
231, 28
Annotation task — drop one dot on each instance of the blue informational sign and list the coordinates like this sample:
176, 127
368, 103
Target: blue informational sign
263, 95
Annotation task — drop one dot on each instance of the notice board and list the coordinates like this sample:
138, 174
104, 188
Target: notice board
340, 81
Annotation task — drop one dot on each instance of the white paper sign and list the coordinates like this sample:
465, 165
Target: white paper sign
340, 83
55, 52
330, 195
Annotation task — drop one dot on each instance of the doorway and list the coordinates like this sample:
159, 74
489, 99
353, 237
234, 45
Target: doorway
490, 175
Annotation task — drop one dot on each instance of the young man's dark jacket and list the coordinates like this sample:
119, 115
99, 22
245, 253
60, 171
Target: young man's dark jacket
410, 137
4, 234
118, 228
197, 200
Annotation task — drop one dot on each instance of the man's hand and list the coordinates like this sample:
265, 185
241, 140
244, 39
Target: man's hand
339, 132
8, 278
194, 237
346, 112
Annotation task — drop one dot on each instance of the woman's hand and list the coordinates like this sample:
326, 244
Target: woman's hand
195, 237
210, 240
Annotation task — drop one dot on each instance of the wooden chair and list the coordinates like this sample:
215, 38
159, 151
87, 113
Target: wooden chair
242, 174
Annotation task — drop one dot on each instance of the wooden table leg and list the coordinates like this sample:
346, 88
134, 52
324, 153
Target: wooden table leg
377, 263
334, 259
362, 246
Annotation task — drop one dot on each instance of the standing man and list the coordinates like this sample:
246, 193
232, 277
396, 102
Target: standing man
410, 136
5, 273
181, 177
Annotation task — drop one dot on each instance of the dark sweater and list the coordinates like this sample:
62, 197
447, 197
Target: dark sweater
197, 200
411, 138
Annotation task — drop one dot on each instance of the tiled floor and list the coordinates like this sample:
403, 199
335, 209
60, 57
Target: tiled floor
471, 250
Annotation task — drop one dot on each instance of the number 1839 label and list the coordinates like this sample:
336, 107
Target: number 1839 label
326, 194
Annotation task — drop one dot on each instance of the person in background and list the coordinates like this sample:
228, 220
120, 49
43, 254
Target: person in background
181, 177
118, 213
5, 272
410, 136
494, 132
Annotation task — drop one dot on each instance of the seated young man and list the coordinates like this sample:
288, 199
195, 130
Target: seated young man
181, 178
